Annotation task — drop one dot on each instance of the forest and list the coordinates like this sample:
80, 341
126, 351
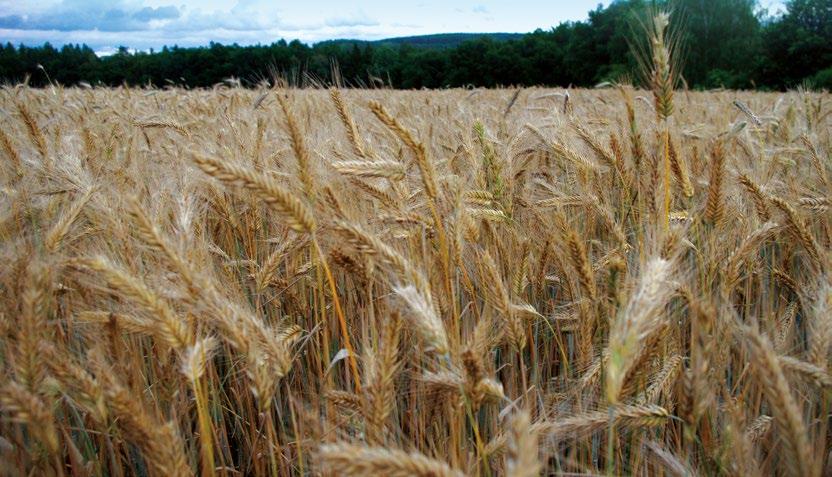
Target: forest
722, 44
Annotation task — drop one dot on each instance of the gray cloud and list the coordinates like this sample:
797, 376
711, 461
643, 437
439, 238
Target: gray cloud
103, 15
11, 21
147, 14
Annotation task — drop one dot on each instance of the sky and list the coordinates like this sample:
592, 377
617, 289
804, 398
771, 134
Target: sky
142, 24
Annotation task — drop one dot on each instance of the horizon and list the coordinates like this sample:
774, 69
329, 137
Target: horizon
141, 25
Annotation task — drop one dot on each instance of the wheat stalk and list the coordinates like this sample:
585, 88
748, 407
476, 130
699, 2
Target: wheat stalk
292, 209
522, 458
787, 413
641, 315
349, 459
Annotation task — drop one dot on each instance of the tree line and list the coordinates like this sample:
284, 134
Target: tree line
722, 43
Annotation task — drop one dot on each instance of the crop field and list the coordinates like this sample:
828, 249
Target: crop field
455, 282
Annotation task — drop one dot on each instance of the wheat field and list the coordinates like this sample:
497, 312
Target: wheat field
373, 282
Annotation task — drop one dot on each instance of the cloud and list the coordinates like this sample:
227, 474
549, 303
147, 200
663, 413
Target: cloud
11, 21
103, 15
355, 20
143, 24
133, 16
480, 8
147, 14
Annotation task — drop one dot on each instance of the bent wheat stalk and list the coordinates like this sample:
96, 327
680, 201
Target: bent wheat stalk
297, 216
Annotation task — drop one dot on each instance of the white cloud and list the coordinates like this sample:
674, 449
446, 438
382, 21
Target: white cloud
353, 20
144, 24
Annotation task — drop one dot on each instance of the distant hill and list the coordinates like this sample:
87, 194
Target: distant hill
447, 40
438, 41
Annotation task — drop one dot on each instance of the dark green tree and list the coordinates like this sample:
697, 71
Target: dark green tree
798, 45
720, 42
